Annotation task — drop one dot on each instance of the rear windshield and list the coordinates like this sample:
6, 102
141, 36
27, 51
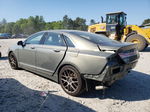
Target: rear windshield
96, 38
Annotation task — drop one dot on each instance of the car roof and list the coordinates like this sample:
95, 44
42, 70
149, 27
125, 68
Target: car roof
77, 41
62, 31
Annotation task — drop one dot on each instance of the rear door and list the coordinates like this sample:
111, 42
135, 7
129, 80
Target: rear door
51, 53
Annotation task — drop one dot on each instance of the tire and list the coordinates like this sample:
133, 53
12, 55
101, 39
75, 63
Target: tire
140, 40
71, 81
0, 55
146, 46
13, 61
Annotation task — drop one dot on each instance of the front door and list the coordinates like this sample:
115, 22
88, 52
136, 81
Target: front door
27, 53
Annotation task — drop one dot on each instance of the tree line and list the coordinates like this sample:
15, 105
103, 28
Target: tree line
146, 21
37, 23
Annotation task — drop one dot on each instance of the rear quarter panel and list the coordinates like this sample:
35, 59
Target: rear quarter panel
87, 62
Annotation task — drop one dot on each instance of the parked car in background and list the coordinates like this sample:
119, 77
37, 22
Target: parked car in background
72, 58
5, 35
19, 36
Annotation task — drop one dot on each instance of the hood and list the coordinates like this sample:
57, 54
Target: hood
113, 45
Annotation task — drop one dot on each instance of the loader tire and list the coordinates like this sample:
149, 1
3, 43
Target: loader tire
139, 40
146, 46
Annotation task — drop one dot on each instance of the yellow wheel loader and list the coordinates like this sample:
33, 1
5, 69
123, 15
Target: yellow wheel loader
116, 28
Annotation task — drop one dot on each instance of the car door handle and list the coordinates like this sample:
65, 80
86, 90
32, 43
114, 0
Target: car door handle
32, 47
56, 50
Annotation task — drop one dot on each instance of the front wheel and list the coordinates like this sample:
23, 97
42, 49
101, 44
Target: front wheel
71, 81
139, 40
13, 61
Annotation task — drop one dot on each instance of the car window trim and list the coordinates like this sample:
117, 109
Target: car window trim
43, 38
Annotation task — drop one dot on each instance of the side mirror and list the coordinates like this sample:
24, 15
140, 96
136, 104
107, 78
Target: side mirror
20, 43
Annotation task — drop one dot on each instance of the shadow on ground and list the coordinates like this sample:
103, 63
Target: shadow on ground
4, 58
15, 97
134, 87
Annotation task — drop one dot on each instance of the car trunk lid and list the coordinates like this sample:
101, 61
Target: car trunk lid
126, 51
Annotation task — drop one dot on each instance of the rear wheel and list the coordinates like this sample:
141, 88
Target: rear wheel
139, 40
13, 61
71, 81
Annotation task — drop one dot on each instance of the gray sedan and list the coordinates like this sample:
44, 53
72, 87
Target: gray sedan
77, 60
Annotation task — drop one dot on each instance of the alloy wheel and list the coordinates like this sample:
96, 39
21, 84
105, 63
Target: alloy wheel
12, 61
69, 81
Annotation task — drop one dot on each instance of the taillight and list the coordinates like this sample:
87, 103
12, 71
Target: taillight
129, 55
126, 55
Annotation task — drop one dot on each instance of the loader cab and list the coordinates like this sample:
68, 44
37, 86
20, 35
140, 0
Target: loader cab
115, 23
116, 18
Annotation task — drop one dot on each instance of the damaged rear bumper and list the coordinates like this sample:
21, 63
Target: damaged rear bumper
112, 72
117, 67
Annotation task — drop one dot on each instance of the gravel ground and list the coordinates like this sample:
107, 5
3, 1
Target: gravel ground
22, 91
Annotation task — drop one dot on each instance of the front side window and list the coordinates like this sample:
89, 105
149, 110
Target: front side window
35, 38
54, 39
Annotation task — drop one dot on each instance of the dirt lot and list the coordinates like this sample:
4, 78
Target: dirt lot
23, 91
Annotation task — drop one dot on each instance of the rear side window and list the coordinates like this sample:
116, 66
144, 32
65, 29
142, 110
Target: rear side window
69, 42
54, 39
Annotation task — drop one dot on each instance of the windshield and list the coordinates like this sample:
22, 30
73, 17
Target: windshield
112, 19
96, 38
